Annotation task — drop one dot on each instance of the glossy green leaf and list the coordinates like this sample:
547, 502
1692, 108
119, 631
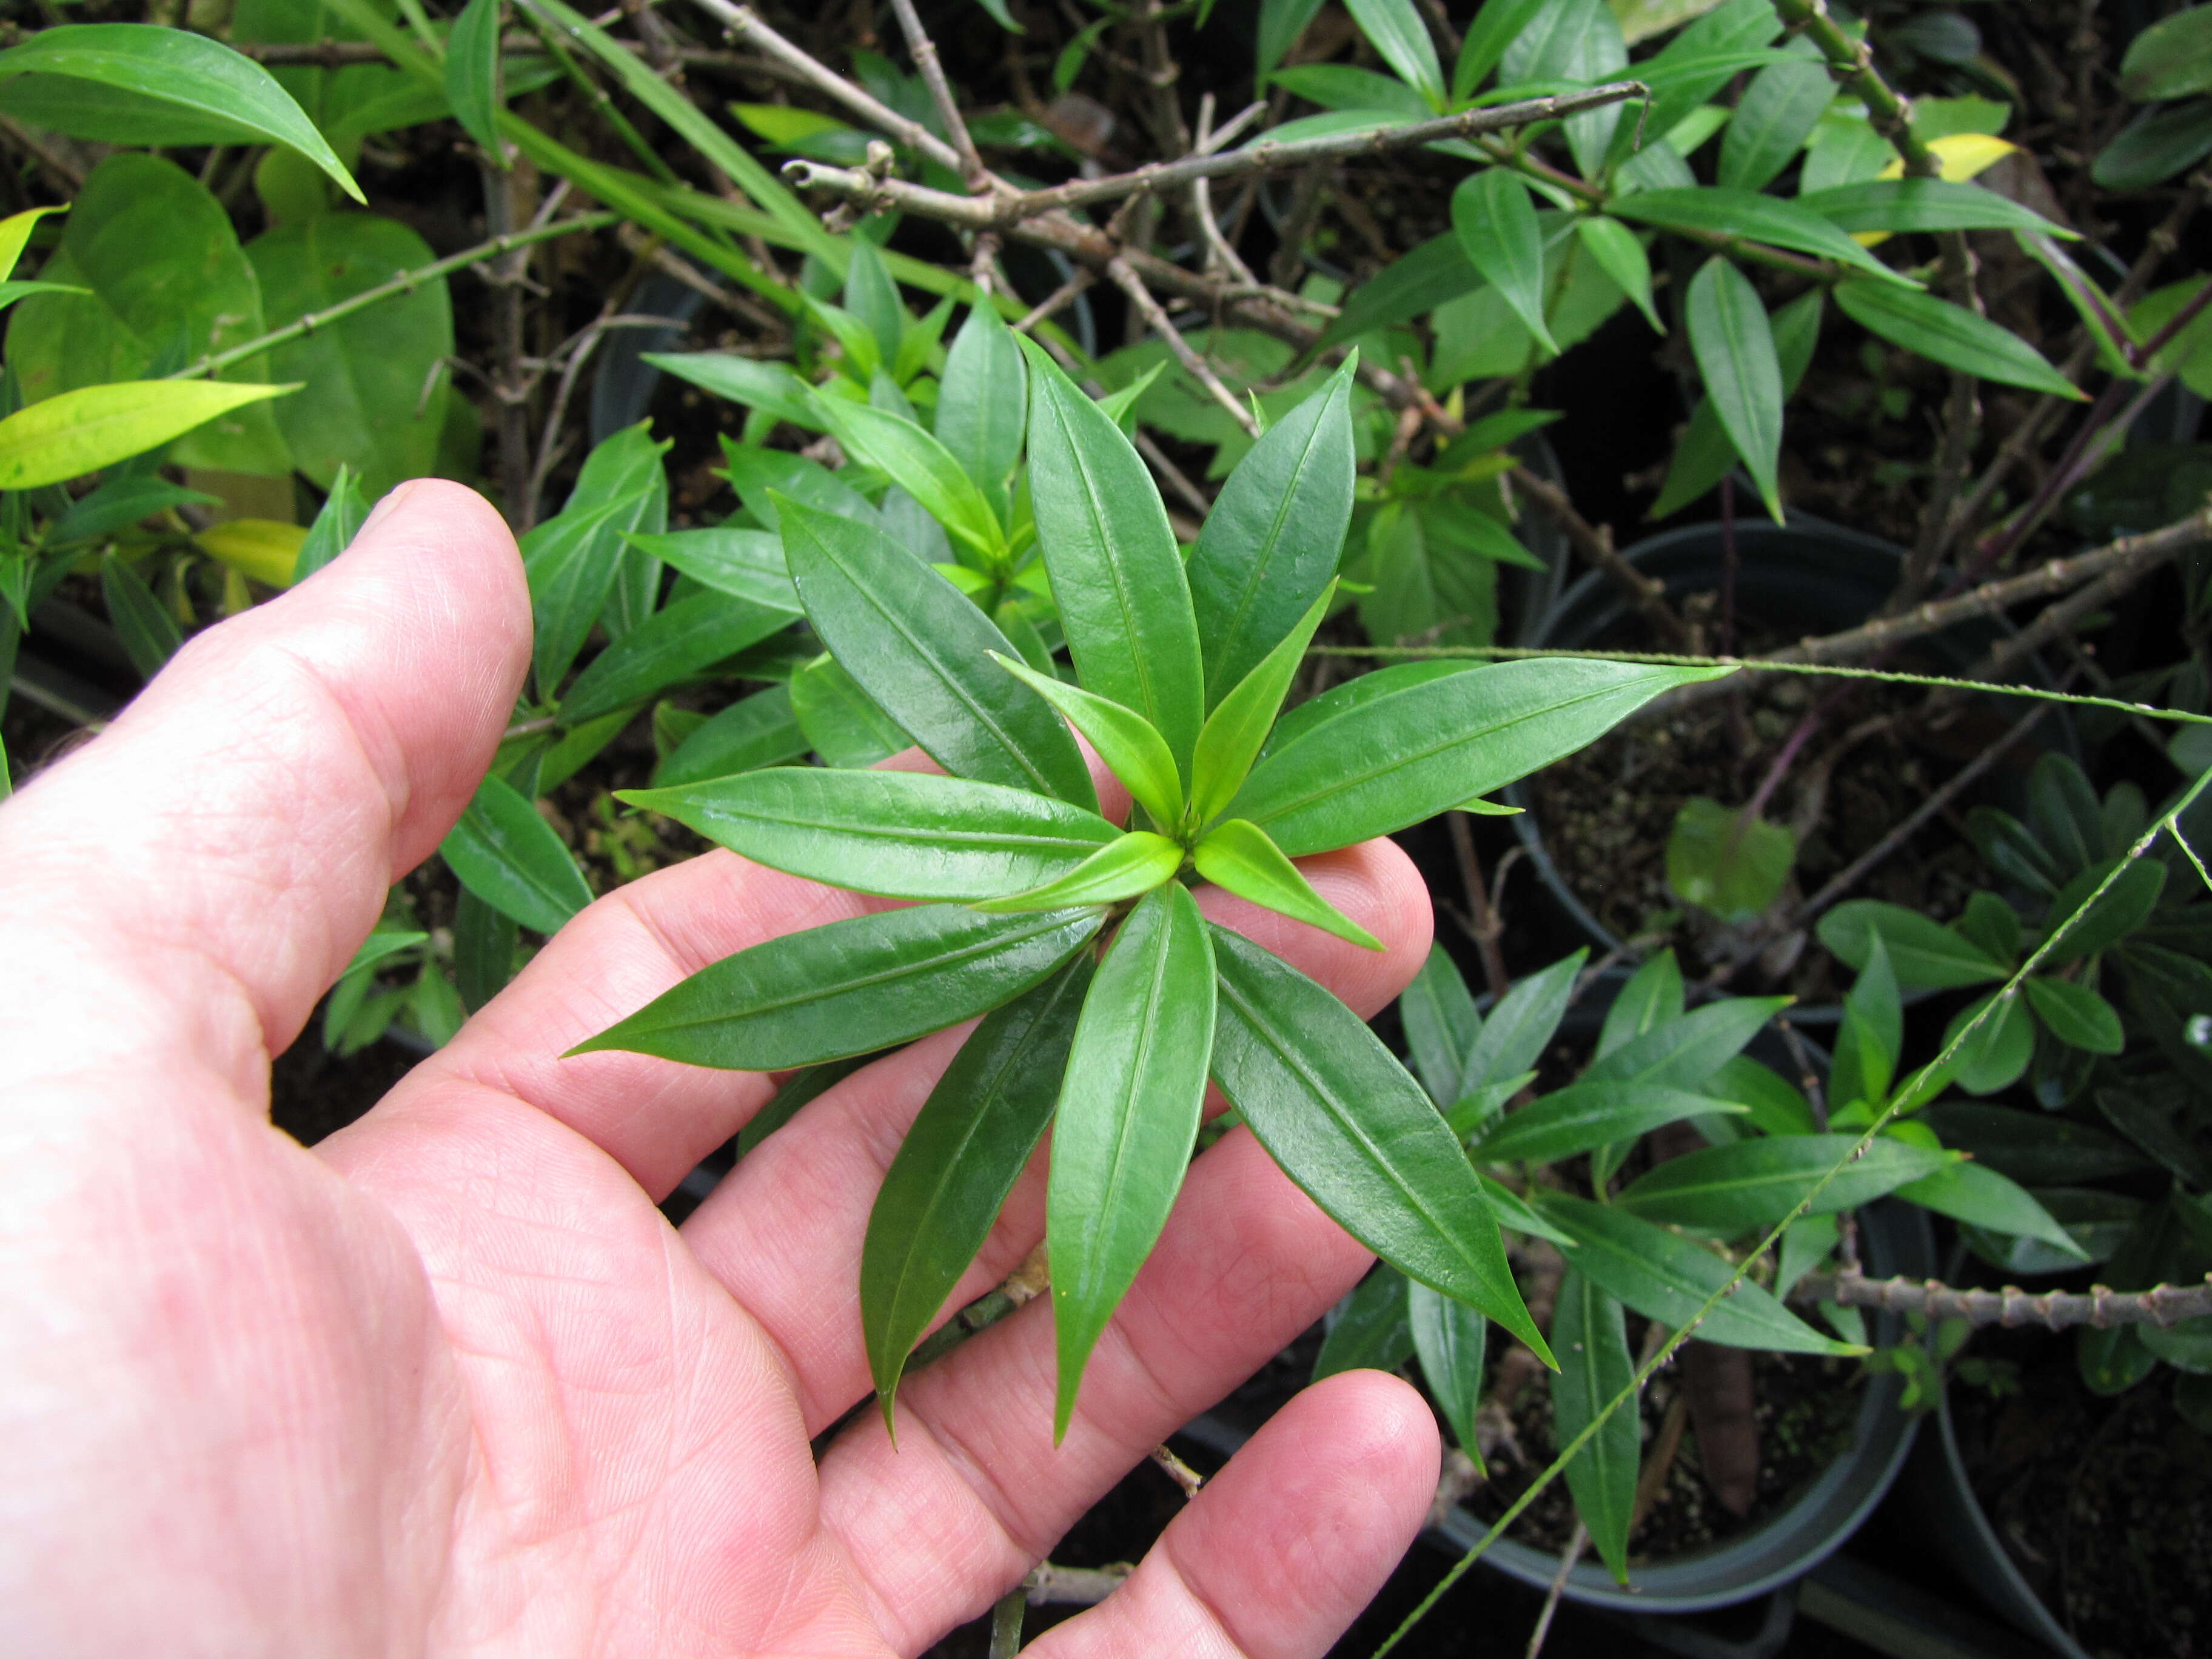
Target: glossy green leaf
1776, 1106
1496, 227
1663, 1276
1115, 571
1233, 733
904, 835
2076, 1015
1372, 1327
483, 950
1653, 997
1415, 752
1237, 855
771, 387
1950, 335
1513, 1037
1773, 120
1128, 865
1308, 717
982, 401
747, 564
570, 561
1595, 1368
1586, 1115
1281, 23
920, 650
684, 639
1441, 1025
1685, 1052
509, 857
961, 1156
1622, 257
1746, 213
150, 634
1415, 283
472, 76
871, 295
1923, 952
1577, 40
1734, 345
198, 90
1395, 29
925, 468
1924, 204
2171, 58
1972, 1193
1127, 1119
339, 520
1273, 540
845, 724
1348, 1125
1449, 1339
1125, 740
850, 987
753, 732
1705, 455
1727, 1190
1477, 1106
80, 432
1495, 27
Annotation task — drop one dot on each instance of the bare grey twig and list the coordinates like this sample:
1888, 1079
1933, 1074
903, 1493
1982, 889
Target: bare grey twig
2099, 1307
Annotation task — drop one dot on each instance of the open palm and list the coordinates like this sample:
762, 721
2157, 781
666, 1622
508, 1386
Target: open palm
450, 1381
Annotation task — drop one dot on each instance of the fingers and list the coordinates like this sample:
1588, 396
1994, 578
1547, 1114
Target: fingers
784, 1229
1279, 1552
217, 855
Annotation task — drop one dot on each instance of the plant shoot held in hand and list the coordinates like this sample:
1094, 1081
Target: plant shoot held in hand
1106, 1000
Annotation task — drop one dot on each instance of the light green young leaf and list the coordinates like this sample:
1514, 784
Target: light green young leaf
1734, 345
923, 467
1115, 571
79, 431
1131, 864
961, 1156
1348, 1125
1595, 1368
1127, 1119
1449, 1339
904, 835
472, 76
1232, 735
1496, 227
15, 234
850, 987
1237, 855
1132, 750
983, 401
1951, 335
1685, 1052
510, 857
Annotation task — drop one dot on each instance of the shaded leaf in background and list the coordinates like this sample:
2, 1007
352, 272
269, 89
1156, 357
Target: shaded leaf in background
509, 857
150, 634
1591, 1339
1733, 344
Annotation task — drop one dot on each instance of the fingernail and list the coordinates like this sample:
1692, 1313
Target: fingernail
383, 509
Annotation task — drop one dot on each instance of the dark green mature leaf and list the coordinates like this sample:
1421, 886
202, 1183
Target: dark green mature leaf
965, 1150
1347, 1124
1621, 257
2076, 1015
1127, 865
1411, 285
1495, 27
871, 295
760, 475
1441, 1025
923, 652
483, 950
1271, 542
1415, 752
1923, 952
1924, 204
844, 723
2125, 907
344, 512
1663, 1276
925, 469
747, 564
617, 465
1704, 456
1595, 1368
570, 561
801, 1090
2154, 146
150, 634
1449, 1339
1652, 998
1971, 1192
905, 834
1281, 22
1727, 1190
195, 90
1237, 855
1572, 40
1684, 1054
1746, 213
850, 987
2034, 1148
1371, 1329
2171, 58
1132, 749
1773, 120
1514, 1035
1496, 224
982, 402
1586, 1115
1115, 571
1310, 716
510, 857
1239, 724
1127, 1119
1733, 344
687, 638
472, 76
1950, 335
1871, 1038
774, 388
755, 731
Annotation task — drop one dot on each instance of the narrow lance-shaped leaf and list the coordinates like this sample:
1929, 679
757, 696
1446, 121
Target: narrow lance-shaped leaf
1870, 1037
1396, 32
1237, 855
1371, 1328
1418, 751
904, 835
1272, 539
1726, 1190
1733, 344
923, 467
1127, 1120
1622, 257
150, 634
1586, 1115
571, 561
1975, 1194
1347, 1124
983, 400
1449, 1339
1496, 226
753, 732
1125, 866
510, 857
344, 512
1653, 997
746, 564
850, 987
965, 1150
1116, 574
1748, 213
1514, 1035
472, 76
1950, 335
921, 651
1441, 1025
1234, 731
78, 431
686, 638
1125, 740
1595, 1368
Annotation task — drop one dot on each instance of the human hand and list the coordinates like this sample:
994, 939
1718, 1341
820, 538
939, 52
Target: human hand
449, 1381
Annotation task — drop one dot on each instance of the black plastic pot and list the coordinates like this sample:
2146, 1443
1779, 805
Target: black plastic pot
1805, 577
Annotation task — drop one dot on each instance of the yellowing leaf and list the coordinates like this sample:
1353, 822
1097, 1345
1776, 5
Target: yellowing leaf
259, 547
15, 233
1960, 155
82, 431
